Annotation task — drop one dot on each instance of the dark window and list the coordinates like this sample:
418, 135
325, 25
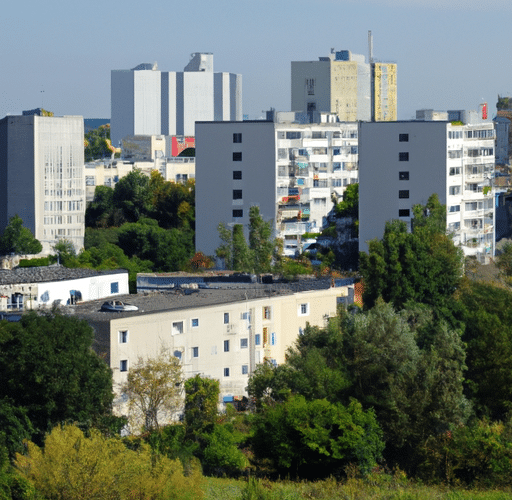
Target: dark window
245, 369
237, 138
195, 352
237, 175
237, 194
403, 137
237, 156
238, 213
311, 106
123, 366
226, 318
114, 287
403, 193
226, 372
257, 339
403, 176
403, 156
404, 212
226, 346
244, 343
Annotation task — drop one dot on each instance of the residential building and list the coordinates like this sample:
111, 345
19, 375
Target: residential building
289, 168
402, 163
344, 84
502, 140
147, 101
42, 176
221, 333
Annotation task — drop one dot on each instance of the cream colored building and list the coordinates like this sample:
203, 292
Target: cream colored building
219, 333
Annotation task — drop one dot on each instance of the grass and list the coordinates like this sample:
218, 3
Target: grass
351, 489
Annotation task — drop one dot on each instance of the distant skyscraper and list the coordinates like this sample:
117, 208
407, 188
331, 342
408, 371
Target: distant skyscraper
343, 83
42, 176
146, 101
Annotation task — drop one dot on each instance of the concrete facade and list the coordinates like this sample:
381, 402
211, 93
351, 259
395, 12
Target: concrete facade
343, 83
147, 101
403, 163
289, 170
42, 177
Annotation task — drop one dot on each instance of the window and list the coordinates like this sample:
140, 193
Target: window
244, 343
226, 346
226, 318
177, 354
471, 206
336, 151
226, 372
404, 212
237, 175
403, 193
454, 208
195, 352
237, 194
455, 171
238, 213
403, 176
114, 287
123, 337
177, 327
455, 154
403, 156
265, 336
237, 138
266, 312
303, 309
245, 369
257, 339
195, 322
237, 156
123, 365
403, 137
310, 86
273, 338
453, 190
353, 150
293, 135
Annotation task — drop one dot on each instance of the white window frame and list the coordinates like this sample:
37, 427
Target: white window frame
123, 336
175, 329
304, 309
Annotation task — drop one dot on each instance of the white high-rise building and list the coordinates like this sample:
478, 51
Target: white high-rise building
402, 163
290, 170
42, 176
147, 101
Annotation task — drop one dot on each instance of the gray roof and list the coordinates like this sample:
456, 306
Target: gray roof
48, 274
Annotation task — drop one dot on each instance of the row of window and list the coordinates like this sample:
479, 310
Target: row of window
317, 134
123, 367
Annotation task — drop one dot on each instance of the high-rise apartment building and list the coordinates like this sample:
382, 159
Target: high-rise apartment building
288, 168
402, 163
343, 83
147, 101
42, 176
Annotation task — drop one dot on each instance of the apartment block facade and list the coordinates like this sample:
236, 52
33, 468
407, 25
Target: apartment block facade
147, 101
344, 84
42, 176
402, 163
290, 170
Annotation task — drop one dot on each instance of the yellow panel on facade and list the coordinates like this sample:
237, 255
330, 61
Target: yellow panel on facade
385, 104
344, 89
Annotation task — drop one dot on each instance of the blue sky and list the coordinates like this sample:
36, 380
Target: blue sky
451, 54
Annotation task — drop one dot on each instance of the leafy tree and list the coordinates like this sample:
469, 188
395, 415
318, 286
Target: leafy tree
79, 467
101, 211
48, 369
154, 390
132, 195
242, 258
15, 426
18, 239
201, 400
64, 250
349, 207
312, 439
422, 266
225, 250
261, 242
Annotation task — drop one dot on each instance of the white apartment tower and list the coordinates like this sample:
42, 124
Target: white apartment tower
147, 101
403, 163
289, 170
42, 176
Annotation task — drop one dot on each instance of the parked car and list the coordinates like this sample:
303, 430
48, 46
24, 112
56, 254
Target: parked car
117, 306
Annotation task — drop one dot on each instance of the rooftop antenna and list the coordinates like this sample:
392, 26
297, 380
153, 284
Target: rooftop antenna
370, 47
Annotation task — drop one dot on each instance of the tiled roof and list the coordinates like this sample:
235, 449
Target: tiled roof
48, 274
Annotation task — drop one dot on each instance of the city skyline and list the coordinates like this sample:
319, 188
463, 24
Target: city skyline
60, 57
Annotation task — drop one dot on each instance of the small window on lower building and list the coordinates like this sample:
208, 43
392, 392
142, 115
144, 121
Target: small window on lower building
245, 369
195, 352
244, 343
403, 156
273, 338
237, 138
304, 309
226, 346
403, 137
237, 175
114, 287
177, 354
266, 312
226, 318
123, 365
257, 339
226, 372
403, 193
404, 212
237, 194
403, 176
237, 156
195, 322
238, 213
123, 336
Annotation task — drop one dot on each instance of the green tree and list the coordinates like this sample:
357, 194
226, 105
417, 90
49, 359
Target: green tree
153, 388
101, 212
132, 195
48, 368
349, 207
313, 439
242, 258
18, 239
261, 242
422, 266
201, 400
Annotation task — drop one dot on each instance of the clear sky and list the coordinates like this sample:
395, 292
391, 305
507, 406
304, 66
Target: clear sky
451, 54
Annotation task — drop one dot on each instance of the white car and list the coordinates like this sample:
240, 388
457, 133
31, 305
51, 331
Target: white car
117, 306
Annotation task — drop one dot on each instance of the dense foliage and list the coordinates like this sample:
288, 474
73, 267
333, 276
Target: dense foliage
18, 239
97, 143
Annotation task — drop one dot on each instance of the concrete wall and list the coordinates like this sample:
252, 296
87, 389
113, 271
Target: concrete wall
121, 105
319, 71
